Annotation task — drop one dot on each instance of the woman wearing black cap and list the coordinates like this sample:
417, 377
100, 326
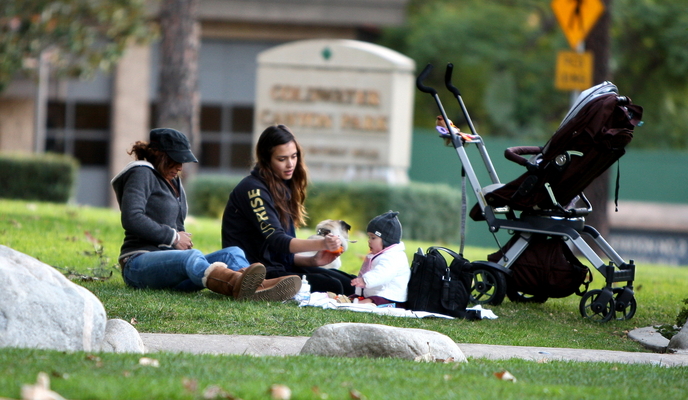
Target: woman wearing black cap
157, 251
266, 207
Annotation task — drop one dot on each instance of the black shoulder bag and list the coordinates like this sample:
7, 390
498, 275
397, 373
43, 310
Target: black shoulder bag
438, 288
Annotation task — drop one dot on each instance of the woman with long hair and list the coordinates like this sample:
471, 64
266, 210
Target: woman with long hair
157, 251
267, 206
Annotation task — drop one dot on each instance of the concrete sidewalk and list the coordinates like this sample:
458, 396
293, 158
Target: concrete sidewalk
284, 346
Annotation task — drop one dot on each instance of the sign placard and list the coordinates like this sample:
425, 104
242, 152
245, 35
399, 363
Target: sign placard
349, 103
574, 70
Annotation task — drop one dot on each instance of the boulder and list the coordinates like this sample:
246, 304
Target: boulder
679, 342
378, 341
40, 308
121, 337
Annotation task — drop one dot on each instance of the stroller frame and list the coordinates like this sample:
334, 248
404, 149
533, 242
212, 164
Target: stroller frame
490, 278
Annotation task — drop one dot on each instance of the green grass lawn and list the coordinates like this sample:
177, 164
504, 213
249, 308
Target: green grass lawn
85, 241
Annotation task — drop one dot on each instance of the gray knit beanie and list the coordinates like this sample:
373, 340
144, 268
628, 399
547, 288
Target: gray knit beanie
387, 227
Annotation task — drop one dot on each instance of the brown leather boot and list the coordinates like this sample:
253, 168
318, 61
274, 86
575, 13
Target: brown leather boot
239, 285
278, 289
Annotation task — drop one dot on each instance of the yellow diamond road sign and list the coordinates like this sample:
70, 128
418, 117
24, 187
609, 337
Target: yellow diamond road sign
577, 17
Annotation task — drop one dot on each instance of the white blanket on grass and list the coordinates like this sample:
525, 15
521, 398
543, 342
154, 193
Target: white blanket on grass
322, 300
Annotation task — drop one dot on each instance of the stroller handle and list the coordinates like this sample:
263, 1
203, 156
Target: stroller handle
419, 81
448, 80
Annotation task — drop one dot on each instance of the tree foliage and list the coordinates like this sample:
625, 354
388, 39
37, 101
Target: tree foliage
77, 36
650, 63
504, 55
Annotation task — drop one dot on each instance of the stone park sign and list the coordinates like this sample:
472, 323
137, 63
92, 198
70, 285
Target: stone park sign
349, 103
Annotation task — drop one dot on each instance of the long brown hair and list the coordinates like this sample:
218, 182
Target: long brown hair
287, 206
160, 160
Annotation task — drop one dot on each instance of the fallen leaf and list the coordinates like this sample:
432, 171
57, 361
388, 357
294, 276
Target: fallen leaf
356, 395
427, 357
214, 392
56, 374
317, 392
91, 238
505, 376
280, 392
98, 362
190, 385
41, 390
149, 362
133, 321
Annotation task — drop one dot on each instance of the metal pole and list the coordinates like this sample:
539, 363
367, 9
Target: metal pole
41, 103
580, 49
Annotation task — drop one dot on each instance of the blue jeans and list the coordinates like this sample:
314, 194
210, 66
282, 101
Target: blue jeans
178, 269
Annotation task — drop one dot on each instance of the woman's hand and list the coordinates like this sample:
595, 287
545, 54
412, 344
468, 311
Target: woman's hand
358, 282
332, 243
184, 242
323, 258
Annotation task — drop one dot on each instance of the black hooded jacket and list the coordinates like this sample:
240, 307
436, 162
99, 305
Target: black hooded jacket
251, 221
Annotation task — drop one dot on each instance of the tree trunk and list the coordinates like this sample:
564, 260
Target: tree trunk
178, 96
598, 43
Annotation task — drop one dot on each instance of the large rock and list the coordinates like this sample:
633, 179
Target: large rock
376, 341
121, 337
40, 308
679, 342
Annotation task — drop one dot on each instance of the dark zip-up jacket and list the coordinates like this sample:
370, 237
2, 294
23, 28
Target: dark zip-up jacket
151, 212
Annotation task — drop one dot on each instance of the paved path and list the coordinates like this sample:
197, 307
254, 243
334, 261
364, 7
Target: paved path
284, 346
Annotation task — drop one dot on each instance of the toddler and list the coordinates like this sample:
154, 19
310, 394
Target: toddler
385, 272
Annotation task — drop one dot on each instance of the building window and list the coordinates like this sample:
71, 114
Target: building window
226, 137
226, 133
81, 130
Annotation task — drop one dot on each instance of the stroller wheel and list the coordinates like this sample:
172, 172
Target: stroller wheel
488, 286
623, 313
597, 305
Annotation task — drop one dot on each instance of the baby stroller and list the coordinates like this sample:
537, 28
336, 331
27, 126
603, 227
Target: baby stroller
542, 210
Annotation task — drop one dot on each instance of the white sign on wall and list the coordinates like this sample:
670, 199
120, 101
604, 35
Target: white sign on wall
349, 103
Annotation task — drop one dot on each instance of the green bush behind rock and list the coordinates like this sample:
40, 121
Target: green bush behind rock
428, 212
45, 177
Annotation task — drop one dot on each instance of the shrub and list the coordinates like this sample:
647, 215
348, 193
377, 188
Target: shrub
45, 177
429, 212
669, 331
208, 194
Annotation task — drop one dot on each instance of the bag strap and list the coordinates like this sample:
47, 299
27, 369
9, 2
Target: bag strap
451, 253
448, 251
586, 282
616, 189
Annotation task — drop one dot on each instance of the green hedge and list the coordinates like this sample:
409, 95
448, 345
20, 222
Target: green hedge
208, 194
44, 177
428, 212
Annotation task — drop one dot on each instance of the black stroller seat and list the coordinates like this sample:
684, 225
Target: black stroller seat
590, 139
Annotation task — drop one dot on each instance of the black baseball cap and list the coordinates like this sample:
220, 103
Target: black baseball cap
174, 143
